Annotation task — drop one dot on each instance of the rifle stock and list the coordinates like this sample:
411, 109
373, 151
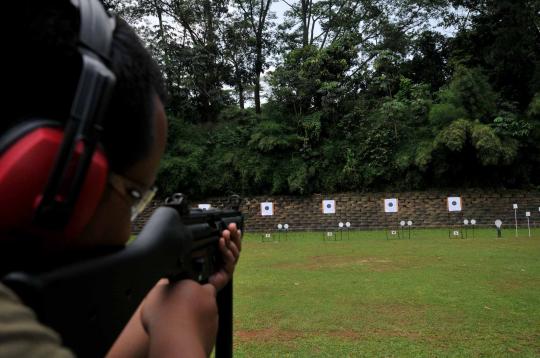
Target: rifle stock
90, 302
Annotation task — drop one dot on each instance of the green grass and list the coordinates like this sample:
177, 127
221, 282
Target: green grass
371, 297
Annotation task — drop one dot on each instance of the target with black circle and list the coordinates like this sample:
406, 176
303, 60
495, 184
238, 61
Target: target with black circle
267, 209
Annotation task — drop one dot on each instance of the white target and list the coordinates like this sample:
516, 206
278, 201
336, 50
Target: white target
514, 206
329, 206
391, 205
393, 232
527, 213
204, 206
454, 203
267, 209
456, 233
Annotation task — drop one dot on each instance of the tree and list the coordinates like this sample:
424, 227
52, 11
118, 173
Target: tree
184, 37
238, 52
257, 15
503, 39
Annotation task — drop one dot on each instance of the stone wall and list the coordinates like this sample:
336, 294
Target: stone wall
366, 210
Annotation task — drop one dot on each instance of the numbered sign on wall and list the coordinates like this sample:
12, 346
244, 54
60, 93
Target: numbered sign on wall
391, 205
454, 203
329, 206
267, 209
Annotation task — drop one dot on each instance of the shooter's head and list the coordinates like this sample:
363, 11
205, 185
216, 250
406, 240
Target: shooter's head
41, 77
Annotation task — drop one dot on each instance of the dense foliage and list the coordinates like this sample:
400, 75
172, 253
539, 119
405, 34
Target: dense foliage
363, 95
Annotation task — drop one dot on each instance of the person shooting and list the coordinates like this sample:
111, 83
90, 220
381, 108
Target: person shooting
80, 147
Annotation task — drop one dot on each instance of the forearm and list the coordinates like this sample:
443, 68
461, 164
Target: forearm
166, 343
133, 342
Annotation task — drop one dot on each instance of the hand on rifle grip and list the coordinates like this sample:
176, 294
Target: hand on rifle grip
230, 245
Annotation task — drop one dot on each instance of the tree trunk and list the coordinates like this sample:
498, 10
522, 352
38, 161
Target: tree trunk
305, 23
239, 86
257, 92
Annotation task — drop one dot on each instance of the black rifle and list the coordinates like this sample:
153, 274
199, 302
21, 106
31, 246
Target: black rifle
90, 302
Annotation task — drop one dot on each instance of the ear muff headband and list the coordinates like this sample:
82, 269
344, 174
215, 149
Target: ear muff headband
94, 90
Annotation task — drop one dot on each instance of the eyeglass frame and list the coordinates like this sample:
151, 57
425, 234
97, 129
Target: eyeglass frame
129, 188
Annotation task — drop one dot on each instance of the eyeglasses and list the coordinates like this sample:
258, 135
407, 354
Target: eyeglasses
140, 198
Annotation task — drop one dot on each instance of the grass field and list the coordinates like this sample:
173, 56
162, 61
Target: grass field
371, 297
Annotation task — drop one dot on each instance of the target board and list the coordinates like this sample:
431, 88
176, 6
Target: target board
454, 203
267, 209
329, 206
391, 205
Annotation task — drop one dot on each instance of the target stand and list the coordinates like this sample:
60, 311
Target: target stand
391, 214
467, 226
455, 218
456, 228
267, 237
344, 227
393, 232
331, 236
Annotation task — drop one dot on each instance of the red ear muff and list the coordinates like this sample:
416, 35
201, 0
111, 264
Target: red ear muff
25, 165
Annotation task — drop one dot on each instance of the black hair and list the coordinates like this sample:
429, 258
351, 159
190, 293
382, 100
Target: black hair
43, 67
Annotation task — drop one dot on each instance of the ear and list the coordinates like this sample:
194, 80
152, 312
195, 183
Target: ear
27, 156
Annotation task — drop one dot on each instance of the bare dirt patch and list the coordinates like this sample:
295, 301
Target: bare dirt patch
348, 335
375, 264
506, 285
267, 335
331, 262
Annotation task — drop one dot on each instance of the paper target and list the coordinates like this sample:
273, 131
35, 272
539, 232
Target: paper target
393, 232
514, 206
329, 206
204, 206
527, 213
454, 203
267, 209
456, 233
329, 234
498, 223
391, 205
